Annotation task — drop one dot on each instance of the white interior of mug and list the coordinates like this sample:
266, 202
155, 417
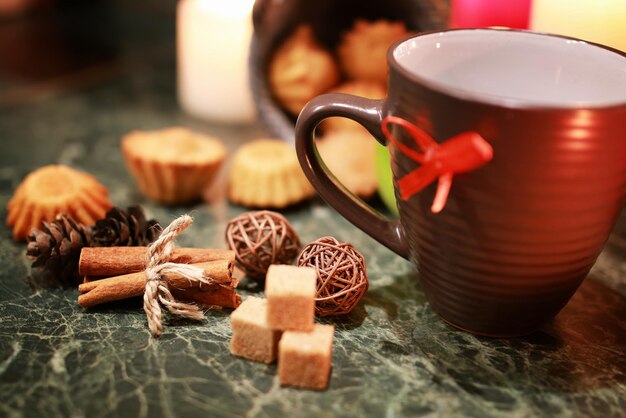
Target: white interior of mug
516, 68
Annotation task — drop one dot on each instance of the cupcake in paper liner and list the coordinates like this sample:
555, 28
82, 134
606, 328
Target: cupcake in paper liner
173, 165
265, 173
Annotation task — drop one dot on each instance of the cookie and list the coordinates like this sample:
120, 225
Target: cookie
300, 70
51, 190
173, 165
350, 157
363, 49
266, 174
361, 88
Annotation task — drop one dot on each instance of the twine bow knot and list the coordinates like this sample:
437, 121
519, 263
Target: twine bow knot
157, 290
459, 154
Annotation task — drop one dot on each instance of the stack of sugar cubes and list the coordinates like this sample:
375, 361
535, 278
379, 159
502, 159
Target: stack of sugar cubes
282, 326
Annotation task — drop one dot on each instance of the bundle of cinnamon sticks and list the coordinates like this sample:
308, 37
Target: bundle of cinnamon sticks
116, 273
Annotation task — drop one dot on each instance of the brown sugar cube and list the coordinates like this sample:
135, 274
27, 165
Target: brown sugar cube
252, 337
290, 293
304, 358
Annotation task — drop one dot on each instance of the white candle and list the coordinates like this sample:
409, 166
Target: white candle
601, 21
213, 41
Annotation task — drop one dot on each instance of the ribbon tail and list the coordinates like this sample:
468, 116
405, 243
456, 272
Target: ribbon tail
417, 180
441, 196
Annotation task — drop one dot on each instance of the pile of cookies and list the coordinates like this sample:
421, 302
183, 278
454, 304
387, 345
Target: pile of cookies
176, 166
302, 68
172, 166
282, 327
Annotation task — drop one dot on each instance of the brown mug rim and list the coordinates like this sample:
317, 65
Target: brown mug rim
470, 97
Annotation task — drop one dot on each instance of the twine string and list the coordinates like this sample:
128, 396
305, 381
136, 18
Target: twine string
157, 291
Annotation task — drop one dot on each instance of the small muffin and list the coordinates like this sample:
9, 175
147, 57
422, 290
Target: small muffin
362, 88
300, 70
51, 190
266, 173
363, 50
351, 157
173, 165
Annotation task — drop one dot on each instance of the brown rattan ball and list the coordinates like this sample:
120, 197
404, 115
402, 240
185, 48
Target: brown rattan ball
260, 239
341, 275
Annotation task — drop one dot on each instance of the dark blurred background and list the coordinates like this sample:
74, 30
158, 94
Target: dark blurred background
47, 46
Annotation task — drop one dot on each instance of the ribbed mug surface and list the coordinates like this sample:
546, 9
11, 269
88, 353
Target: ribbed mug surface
517, 236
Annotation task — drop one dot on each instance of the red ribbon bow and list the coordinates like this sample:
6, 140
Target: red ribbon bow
459, 154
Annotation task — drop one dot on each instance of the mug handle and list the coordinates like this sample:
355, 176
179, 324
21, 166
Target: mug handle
368, 113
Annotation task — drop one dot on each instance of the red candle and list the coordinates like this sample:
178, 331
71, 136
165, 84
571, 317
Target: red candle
484, 13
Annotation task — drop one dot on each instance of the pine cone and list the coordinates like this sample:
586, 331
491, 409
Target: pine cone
125, 228
56, 247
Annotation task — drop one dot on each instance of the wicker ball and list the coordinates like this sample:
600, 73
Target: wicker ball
260, 239
341, 275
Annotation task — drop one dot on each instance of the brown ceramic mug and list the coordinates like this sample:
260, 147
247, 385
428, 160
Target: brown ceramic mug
518, 233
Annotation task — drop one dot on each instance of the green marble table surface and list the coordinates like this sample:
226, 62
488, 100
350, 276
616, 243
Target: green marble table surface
392, 357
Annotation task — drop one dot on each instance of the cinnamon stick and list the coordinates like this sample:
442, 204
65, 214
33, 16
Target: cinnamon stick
223, 296
129, 285
115, 261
